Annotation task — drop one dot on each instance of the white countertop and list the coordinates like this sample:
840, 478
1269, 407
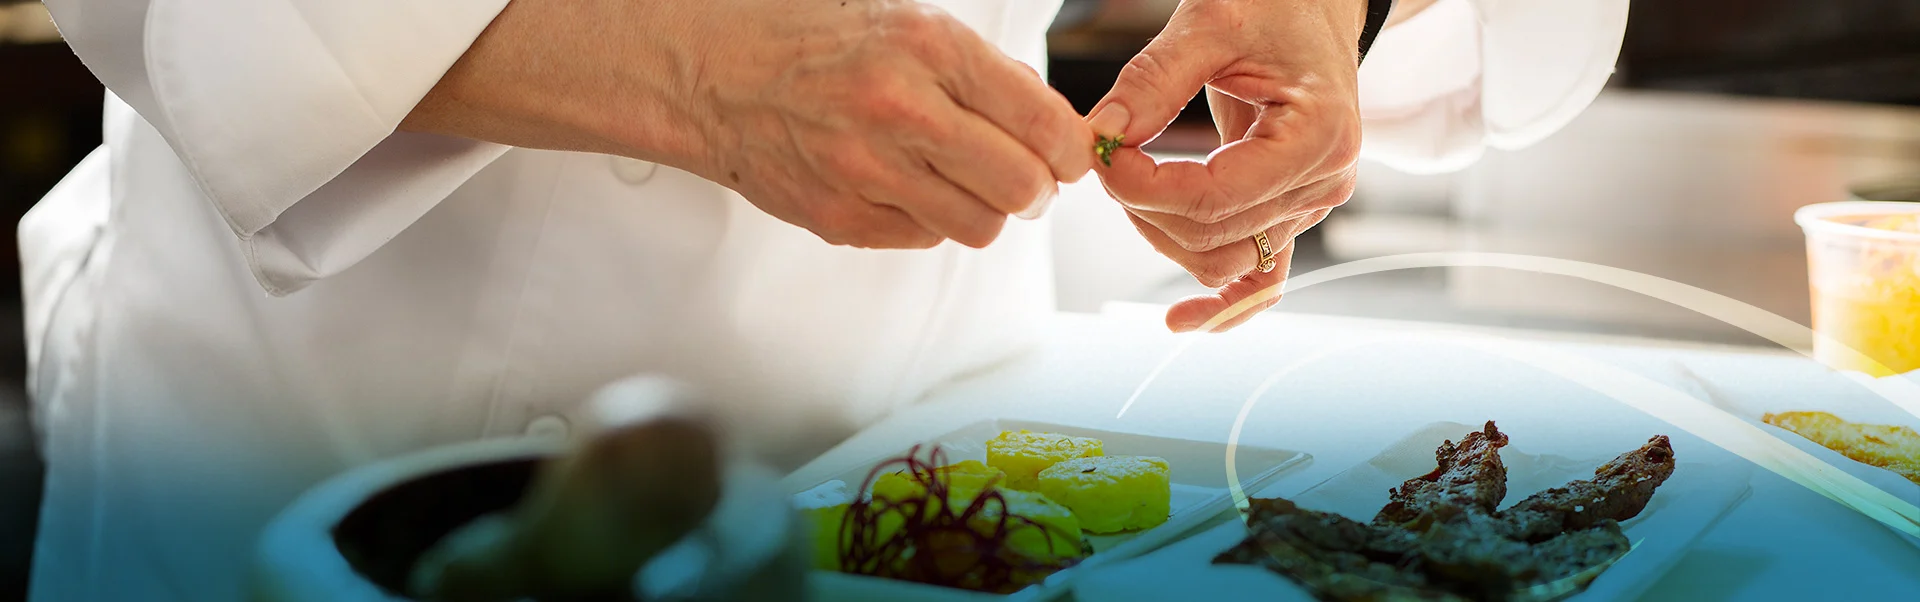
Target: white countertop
1784, 542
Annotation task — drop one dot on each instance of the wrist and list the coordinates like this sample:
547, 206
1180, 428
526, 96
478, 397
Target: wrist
564, 75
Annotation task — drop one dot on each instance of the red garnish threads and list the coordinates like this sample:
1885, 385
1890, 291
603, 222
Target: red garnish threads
936, 543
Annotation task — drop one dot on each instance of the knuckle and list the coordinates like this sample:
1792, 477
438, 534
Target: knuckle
922, 239
836, 237
894, 106
832, 221
1038, 123
887, 102
1146, 72
1341, 193
1016, 189
1215, 237
1321, 198
1214, 273
847, 166
924, 31
1036, 185
911, 22
982, 232
931, 128
1198, 238
1211, 208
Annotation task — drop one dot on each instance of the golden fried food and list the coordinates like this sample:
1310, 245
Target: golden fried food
967, 478
1023, 454
1895, 448
1111, 494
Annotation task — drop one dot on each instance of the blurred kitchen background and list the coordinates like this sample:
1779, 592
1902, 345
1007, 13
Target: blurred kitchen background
1723, 117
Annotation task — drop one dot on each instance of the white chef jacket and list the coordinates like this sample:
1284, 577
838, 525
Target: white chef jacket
256, 283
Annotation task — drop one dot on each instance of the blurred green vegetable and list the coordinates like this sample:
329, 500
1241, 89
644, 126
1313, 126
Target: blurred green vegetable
1105, 146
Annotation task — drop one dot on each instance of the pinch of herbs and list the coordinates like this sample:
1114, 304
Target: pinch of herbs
1104, 147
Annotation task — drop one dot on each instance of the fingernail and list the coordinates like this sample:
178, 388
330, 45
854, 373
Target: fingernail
1038, 208
1110, 120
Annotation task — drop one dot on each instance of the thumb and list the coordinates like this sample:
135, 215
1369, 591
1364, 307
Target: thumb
1152, 90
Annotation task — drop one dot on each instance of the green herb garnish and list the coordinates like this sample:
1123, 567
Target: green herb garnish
1105, 146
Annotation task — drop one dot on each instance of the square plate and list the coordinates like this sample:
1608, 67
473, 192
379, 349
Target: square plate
1198, 472
1682, 509
1855, 408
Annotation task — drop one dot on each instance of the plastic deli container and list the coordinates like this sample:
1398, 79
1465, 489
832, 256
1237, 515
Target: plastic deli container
1863, 264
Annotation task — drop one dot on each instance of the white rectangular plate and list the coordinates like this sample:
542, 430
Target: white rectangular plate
1860, 409
1197, 470
1694, 498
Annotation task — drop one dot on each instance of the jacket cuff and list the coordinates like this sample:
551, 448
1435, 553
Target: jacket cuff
1464, 75
1544, 63
355, 214
266, 101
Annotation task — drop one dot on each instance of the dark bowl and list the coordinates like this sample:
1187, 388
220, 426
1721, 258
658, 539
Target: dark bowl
356, 537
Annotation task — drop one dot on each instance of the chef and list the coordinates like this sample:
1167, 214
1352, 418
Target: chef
323, 232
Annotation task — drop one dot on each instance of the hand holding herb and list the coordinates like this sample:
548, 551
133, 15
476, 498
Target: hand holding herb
871, 123
1281, 78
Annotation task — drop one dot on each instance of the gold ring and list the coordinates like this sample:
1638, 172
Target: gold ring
1266, 252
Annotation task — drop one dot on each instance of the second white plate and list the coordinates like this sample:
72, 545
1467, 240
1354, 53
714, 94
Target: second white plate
1197, 470
1689, 503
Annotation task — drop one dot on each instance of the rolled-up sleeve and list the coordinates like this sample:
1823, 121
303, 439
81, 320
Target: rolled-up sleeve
1462, 76
285, 112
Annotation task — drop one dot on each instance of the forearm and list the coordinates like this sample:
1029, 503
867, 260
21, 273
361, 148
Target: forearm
545, 73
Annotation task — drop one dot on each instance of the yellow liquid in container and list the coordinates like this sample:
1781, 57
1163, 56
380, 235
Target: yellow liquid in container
1866, 295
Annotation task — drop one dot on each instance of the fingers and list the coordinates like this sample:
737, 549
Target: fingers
1232, 117
1198, 236
1248, 295
1284, 149
1009, 94
943, 208
1232, 269
992, 166
1153, 87
855, 222
1216, 268
1235, 303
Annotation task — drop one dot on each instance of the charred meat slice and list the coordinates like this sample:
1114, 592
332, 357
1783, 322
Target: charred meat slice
1480, 564
1618, 491
1332, 556
1469, 478
1439, 537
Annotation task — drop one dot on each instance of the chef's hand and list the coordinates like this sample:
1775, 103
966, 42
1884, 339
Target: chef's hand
873, 123
1281, 78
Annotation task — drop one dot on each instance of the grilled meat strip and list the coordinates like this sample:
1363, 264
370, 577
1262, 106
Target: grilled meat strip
1482, 565
1330, 555
1618, 491
1469, 478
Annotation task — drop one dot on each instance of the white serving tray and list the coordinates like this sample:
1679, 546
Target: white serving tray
1688, 504
1860, 409
1197, 470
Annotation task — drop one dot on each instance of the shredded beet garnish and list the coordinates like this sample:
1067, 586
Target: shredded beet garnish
935, 542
